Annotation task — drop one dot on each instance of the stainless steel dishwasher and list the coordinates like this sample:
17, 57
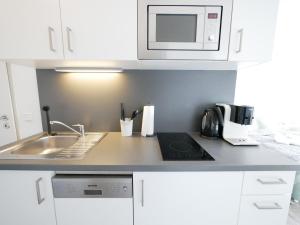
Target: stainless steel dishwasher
93, 199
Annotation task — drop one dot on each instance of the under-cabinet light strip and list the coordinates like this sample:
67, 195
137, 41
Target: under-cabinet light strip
87, 70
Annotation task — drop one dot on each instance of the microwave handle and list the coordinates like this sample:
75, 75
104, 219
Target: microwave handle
240, 34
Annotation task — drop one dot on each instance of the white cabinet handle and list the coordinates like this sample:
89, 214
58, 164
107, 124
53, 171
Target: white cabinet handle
40, 199
51, 33
69, 33
142, 193
240, 34
270, 182
274, 205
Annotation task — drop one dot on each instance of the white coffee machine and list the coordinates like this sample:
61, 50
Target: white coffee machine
236, 122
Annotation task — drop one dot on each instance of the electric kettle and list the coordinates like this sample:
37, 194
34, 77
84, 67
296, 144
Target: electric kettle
212, 123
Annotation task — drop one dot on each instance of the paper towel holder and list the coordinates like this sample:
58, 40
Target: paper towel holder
148, 121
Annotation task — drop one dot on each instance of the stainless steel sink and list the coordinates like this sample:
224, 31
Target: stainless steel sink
46, 145
52, 147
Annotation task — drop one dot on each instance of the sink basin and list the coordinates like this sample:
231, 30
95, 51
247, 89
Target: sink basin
52, 147
46, 145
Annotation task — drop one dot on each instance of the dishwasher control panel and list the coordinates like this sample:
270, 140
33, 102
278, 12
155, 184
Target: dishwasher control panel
92, 186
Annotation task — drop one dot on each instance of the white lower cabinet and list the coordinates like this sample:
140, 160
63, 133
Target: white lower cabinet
264, 210
266, 197
192, 198
268, 183
212, 198
160, 198
26, 198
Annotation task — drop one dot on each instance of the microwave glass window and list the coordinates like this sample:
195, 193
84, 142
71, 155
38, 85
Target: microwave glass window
176, 28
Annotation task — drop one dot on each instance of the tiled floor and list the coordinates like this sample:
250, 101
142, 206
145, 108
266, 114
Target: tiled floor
294, 215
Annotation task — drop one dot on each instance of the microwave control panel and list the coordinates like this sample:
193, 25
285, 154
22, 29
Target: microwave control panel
212, 28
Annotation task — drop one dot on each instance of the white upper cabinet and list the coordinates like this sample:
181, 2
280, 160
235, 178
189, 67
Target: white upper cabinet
107, 30
30, 29
99, 29
253, 30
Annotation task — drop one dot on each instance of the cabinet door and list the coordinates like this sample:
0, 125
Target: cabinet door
253, 30
7, 125
264, 210
30, 29
99, 29
171, 198
26, 198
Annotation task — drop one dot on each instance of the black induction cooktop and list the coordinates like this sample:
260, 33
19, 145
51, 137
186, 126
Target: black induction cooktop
181, 147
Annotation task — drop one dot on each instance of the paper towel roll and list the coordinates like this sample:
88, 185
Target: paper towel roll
148, 120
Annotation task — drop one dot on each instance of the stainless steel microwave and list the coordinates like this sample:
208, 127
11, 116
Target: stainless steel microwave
184, 29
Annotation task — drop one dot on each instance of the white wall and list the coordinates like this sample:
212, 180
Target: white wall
7, 127
25, 97
274, 88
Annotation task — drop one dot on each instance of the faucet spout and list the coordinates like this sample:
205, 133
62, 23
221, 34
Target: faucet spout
81, 133
81, 128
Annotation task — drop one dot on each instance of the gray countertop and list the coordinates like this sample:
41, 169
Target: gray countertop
136, 153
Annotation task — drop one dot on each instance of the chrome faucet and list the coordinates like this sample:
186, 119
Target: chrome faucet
81, 127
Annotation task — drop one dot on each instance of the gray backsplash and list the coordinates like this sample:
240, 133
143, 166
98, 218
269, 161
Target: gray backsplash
94, 100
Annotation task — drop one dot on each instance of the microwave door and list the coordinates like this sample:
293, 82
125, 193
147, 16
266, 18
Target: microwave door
176, 27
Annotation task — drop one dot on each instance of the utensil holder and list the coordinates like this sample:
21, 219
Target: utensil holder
126, 127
